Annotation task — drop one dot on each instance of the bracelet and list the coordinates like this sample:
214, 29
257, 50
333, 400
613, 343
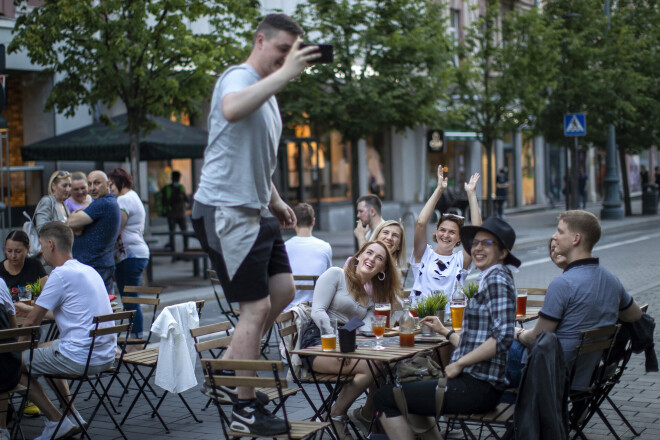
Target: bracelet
451, 332
520, 333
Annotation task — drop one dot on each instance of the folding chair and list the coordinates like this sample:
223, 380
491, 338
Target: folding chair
614, 367
226, 309
147, 359
328, 380
214, 347
94, 333
10, 336
152, 301
598, 340
296, 429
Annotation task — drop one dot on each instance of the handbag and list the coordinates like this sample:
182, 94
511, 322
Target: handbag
31, 230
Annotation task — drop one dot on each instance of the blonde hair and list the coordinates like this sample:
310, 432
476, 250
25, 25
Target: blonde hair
55, 179
386, 290
399, 255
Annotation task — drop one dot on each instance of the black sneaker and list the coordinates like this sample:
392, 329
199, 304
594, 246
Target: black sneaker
257, 420
227, 395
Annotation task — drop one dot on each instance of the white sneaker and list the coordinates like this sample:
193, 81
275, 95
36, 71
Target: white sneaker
4, 434
73, 421
67, 429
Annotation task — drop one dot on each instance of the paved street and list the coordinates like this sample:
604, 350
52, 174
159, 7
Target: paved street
628, 248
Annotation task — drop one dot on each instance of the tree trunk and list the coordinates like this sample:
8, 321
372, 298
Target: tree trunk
355, 181
624, 177
134, 137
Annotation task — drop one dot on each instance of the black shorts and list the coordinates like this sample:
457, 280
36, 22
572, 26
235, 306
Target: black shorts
266, 258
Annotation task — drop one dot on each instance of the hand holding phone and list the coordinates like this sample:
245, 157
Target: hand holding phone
326, 50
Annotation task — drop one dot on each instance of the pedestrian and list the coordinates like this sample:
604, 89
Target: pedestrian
501, 190
237, 211
644, 176
582, 189
657, 175
174, 205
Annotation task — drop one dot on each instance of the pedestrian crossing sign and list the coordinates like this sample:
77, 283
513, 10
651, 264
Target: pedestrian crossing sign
575, 124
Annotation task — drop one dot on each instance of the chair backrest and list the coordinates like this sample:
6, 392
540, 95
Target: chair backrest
301, 282
152, 301
121, 330
536, 292
229, 311
200, 305
217, 343
288, 330
597, 340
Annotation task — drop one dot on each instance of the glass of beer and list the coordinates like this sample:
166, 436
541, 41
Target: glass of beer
384, 309
329, 336
378, 327
25, 296
457, 309
521, 303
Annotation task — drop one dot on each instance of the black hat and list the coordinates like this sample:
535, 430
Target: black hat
500, 229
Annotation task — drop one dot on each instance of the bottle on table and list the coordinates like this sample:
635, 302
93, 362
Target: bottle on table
457, 305
406, 326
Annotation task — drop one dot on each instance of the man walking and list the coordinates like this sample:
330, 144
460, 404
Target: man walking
97, 228
369, 217
585, 296
236, 200
174, 202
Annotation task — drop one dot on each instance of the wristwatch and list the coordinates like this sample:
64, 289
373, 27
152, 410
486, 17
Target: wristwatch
451, 332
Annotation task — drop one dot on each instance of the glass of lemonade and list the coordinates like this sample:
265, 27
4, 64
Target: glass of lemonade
329, 336
378, 327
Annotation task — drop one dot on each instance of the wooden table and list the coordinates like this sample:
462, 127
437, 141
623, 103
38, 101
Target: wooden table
532, 314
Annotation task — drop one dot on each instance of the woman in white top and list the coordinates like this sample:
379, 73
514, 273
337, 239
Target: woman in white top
438, 269
131, 251
51, 207
339, 294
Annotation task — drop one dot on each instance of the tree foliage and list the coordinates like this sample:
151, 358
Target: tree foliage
390, 68
506, 65
141, 52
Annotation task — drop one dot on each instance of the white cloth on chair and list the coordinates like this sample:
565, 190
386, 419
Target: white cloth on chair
177, 356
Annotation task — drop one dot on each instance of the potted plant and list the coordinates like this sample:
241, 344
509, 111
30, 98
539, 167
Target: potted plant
432, 305
471, 289
36, 288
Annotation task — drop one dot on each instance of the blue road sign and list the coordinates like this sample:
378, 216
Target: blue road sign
575, 124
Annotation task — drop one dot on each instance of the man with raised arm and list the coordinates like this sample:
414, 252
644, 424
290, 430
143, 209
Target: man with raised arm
237, 211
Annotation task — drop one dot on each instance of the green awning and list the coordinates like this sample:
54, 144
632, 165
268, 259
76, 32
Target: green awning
101, 142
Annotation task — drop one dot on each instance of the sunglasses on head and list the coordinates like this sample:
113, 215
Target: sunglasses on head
453, 217
63, 174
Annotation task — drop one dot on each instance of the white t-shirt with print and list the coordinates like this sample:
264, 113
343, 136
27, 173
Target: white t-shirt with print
436, 272
75, 293
133, 232
307, 256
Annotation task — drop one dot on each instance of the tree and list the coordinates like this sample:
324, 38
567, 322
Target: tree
390, 68
502, 75
139, 51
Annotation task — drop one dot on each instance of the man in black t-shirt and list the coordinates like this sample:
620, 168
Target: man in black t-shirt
175, 202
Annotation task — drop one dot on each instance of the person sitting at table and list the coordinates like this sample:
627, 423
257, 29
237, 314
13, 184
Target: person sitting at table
584, 296
392, 234
131, 251
476, 372
437, 269
73, 295
18, 269
10, 363
79, 198
339, 294
558, 259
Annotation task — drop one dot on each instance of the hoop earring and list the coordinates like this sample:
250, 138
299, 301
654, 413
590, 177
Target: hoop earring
356, 262
382, 278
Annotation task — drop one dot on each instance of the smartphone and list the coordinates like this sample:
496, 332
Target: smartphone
327, 53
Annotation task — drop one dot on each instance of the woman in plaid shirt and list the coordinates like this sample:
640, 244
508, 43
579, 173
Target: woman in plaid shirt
476, 372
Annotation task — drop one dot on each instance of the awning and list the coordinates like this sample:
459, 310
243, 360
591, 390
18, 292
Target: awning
101, 142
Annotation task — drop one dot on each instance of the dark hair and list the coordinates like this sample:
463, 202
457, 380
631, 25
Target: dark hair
304, 214
18, 235
121, 179
372, 201
273, 23
60, 233
584, 223
176, 176
448, 216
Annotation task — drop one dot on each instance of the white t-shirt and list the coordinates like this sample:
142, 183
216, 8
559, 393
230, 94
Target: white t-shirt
5, 298
75, 293
132, 234
307, 256
436, 272
241, 156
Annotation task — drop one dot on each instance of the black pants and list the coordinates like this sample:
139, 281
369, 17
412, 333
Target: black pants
463, 395
171, 223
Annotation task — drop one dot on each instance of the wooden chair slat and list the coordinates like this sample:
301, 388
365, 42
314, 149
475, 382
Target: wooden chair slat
140, 300
213, 344
242, 381
115, 329
151, 290
283, 317
238, 364
210, 329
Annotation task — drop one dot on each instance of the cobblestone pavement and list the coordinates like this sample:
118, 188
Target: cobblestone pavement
628, 248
